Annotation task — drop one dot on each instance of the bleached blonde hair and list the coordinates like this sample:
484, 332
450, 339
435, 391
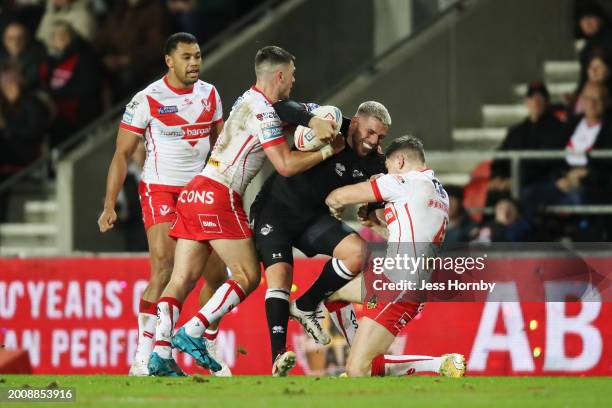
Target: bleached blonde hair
376, 110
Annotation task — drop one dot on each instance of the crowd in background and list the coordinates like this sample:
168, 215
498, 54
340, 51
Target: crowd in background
64, 62
578, 125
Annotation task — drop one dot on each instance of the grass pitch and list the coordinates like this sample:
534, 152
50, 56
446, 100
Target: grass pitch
293, 392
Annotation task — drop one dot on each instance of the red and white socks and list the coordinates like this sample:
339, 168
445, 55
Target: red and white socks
147, 318
390, 365
168, 309
228, 296
211, 335
343, 315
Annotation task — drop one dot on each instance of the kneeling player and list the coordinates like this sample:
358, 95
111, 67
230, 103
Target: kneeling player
408, 191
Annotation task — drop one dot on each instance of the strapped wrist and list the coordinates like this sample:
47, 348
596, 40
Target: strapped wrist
327, 152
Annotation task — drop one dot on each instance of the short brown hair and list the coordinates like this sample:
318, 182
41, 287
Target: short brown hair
269, 57
409, 144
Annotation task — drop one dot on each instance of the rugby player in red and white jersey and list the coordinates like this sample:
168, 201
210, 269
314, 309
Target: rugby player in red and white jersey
416, 211
178, 117
210, 212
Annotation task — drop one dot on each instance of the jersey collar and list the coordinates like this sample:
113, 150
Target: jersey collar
176, 90
256, 89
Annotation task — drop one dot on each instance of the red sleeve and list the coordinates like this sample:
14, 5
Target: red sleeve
273, 142
133, 129
376, 191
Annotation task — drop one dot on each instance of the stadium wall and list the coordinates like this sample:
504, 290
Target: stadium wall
328, 39
472, 56
78, 316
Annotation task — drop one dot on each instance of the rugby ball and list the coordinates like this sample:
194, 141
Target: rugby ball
304, 137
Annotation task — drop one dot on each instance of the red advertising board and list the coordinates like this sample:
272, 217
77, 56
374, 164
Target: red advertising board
78, 316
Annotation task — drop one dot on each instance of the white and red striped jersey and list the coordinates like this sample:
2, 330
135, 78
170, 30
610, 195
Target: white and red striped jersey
238, 155
176, 127
416, 207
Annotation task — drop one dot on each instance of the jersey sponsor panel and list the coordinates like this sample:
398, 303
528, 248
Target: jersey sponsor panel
176, 126
238, 155
416, 205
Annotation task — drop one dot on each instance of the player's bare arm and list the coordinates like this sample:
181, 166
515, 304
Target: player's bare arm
353, 194
215, 131
126, 145
289, 162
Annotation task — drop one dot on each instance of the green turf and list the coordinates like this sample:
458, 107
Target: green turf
293, 392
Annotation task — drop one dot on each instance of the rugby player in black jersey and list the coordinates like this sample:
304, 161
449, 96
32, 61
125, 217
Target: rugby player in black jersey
291, 212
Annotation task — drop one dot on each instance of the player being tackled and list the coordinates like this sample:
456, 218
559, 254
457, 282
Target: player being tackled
408, 192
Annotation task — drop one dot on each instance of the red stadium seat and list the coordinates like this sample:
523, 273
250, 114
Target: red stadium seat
475, 192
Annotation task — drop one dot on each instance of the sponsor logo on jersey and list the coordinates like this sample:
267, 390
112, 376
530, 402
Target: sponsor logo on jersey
173, 132
340, 169
277, 255
403, 321
389, 216
187, 102
267, 115
271, 130
357, 173
278, 329
165, 110
196, 131
372, 303
130, 109
210, 223
266, 229
438, 205
127, 117
132, 106
164, 209
192, 196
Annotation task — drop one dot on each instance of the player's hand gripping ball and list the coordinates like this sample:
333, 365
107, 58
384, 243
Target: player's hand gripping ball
306, 139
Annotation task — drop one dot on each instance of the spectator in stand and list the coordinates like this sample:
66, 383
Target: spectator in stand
20, 51
24, 119
566, 190
594, 27
588, 132
72, 76
508, 224
580, 179
206, 18
129, 42
461, 227
28, 12
541, 130
599, 71
185, 16
78, 12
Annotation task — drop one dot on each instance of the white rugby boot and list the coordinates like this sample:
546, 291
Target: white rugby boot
211, 346
453, 365
310, 322
139, 368
283, 363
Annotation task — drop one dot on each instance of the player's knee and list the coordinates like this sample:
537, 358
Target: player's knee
162, 260
247, 279
159, 281
355, 256
355, 368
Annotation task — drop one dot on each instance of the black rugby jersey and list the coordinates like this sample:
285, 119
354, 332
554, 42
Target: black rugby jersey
306, 192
